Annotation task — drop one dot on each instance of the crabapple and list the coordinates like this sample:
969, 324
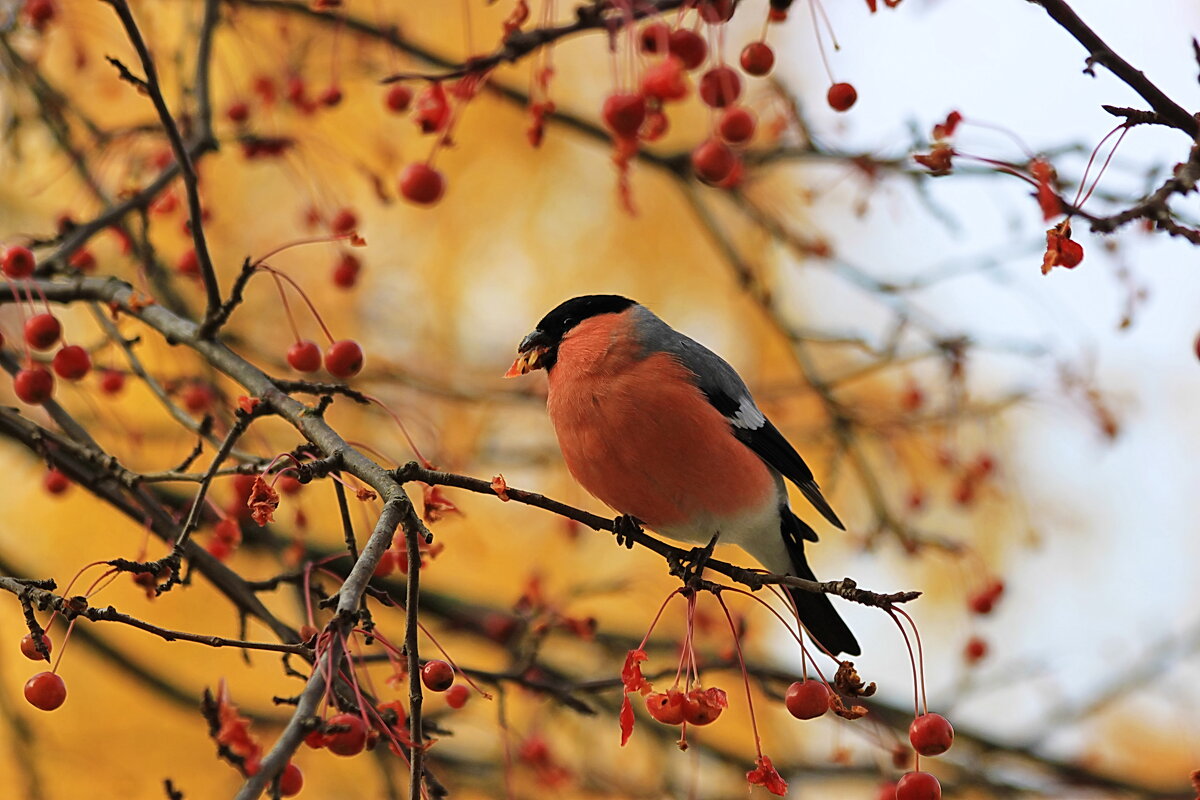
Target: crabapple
918, 786
422, 184
438, 676
398, 98
291, 781
666, 707
72, 362
42, 331
29, 647
18, 262
457, 696
623, 113
344, 359
55, 481
689, 47
841, 96
349, 742
757, 58
713, 161
33, 385
304, 356
345, 272
736, 125
931, 734
46, 691
111, 381
720, 87
807, 699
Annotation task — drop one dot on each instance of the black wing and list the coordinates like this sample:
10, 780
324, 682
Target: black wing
726, 391
772, 447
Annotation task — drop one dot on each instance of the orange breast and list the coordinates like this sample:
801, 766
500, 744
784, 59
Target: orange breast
640, 436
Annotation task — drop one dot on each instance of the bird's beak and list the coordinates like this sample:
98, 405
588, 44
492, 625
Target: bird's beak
530, 355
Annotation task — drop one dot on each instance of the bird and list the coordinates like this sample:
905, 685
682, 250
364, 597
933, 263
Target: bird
662, 429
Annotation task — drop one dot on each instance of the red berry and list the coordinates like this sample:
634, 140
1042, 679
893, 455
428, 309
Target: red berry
931, 734
386, 565
39, 13
228, 531
111, 381
82, 260
757, 58
666, 707
701, 708
304, 356
689, 47
807, 699
238, 112
55, 482
975, 650
654, 37
344, 221
72, 362
841, 97
1196, 347
736, 125
288, 484
344, 359
720, 87
457, 696
918, 786
291, 781
438, 676
33, 385
664, 80
713, 161
345, 271
349, 742
19, 262
983, 601
29, 647
398, 98
887, 791
422, 184
45, 691
330, 97
624, 113
188, 264
197, 397
42, 331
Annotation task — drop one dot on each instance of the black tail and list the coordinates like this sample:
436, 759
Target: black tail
816, 611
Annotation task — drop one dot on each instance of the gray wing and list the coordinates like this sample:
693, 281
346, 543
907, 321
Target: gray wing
727, 392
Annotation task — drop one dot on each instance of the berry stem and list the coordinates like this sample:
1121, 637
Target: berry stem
737, 642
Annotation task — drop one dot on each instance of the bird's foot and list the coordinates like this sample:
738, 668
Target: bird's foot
691, 566
625, 528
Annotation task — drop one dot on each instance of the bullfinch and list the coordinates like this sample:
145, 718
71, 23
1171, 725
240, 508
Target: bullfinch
659, 427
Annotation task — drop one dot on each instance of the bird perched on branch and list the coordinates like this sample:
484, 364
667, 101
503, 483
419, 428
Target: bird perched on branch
661, 428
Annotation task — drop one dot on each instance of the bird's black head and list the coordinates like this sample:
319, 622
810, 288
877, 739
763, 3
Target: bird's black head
539, 349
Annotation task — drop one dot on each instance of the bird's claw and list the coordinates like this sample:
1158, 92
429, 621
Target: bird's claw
692, 565
625, 528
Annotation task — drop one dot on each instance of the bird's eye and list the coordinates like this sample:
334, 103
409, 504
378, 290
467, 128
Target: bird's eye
569, 322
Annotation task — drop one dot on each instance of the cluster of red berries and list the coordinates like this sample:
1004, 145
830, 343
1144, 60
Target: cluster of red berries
420, 182
639, 115
930, 735
343, 358
695, 707
34, 384
46, 690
